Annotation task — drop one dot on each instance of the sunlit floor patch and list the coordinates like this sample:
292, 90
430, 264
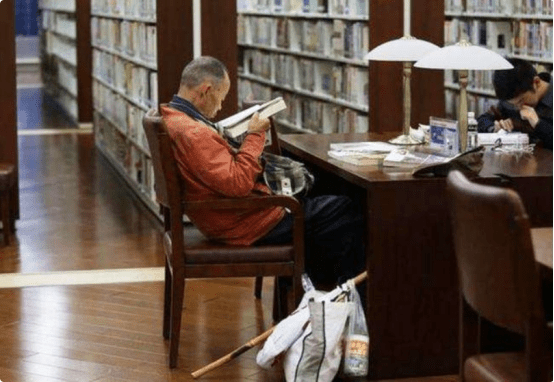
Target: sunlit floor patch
104, 276
54, 131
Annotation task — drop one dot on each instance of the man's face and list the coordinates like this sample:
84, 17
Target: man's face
215, 95
529, 98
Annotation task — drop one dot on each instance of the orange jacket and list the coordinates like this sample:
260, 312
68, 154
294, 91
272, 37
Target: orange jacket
212, 169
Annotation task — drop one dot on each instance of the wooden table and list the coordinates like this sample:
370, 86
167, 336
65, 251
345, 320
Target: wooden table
542, 245
413, 287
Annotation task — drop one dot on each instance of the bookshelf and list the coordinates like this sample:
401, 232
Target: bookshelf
8, 95
124, 86
65, 56
139, 50
513, 28
311, 54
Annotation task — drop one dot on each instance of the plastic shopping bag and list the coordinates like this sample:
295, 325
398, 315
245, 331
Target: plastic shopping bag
356, 350
317, 354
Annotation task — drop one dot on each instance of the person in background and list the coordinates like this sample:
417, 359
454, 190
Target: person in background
525, 103
211, 168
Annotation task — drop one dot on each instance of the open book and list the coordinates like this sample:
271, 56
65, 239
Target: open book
237, 124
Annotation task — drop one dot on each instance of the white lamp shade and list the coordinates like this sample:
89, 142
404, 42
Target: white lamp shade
402, 49
463, 56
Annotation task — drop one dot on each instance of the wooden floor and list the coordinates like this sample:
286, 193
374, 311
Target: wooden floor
77, 214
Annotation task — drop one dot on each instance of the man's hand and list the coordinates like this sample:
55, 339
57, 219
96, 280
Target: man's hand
529, 114
503, 124
257, 124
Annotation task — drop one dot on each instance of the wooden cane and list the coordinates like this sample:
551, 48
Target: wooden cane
252, 343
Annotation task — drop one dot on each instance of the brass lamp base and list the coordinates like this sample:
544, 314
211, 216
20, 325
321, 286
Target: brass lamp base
405, 140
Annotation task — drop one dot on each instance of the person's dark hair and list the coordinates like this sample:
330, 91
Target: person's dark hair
203, 68
513, 82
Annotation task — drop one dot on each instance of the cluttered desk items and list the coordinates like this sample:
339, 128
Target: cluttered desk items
360, 153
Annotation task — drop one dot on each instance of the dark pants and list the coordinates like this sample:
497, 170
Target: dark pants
334, 229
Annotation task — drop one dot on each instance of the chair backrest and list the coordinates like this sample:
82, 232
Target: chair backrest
497, 269
168, 180
152, 124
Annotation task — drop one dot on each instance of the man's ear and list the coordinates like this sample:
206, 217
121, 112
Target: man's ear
204, 88
536, 81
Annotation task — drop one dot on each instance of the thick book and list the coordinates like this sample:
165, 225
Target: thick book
504, 138
357, 158
360, 153
237, 124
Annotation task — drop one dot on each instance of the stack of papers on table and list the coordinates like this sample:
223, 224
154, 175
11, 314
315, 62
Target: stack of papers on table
360, 153
505, 138
412, 159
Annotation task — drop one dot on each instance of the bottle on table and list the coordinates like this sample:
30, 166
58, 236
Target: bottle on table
472, 135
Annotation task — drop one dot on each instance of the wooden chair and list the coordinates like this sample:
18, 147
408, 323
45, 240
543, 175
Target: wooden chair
7, 195
499, 280
190, 255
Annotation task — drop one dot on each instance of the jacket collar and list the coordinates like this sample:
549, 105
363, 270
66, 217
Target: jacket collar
189, 109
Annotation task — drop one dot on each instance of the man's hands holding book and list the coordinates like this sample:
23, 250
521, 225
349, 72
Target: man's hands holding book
257, 124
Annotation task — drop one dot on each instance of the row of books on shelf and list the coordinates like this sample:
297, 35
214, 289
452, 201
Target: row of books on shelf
61, 47
62, 23
518, 37
132, 160
346, 82
331, 7
126, 117
67, 77
59, 73
136, 8
136, 82
305, 113
62, 5
475, 102
339, 38
134, 39
480, 80
67, 102
504, 7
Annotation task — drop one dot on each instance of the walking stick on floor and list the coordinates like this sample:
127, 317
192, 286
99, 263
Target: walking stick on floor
250, 344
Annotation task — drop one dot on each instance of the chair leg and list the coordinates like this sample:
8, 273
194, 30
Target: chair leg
276, 312
177, 297
167, 301
11, 203
280, 299
6, 221
258, 287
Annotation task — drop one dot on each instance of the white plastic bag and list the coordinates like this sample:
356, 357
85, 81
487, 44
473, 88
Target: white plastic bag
317, 354
356, 350
285, 333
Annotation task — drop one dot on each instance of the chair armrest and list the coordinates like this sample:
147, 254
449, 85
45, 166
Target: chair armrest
288, 202
243, 203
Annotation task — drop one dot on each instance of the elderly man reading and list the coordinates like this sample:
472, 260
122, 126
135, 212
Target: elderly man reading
212, 168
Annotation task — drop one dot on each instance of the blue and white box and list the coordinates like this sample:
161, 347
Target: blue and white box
444, 136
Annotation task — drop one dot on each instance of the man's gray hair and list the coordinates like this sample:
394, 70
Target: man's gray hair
203, 68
